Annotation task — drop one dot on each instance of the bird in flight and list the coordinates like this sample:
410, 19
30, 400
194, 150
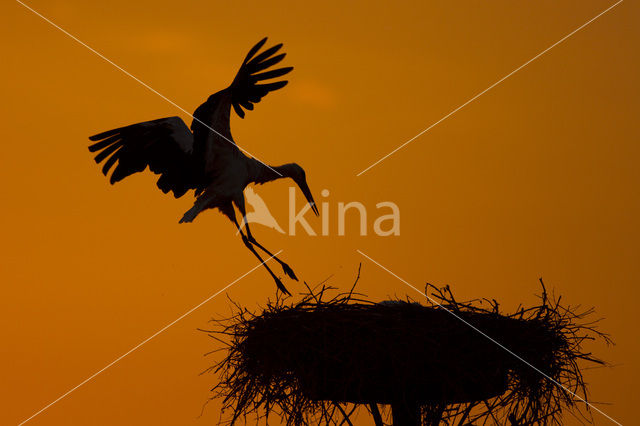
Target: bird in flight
206, 158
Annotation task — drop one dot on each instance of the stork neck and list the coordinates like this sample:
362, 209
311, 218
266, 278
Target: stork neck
265, 173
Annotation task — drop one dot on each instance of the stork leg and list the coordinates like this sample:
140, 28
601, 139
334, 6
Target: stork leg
285, 268
248, 244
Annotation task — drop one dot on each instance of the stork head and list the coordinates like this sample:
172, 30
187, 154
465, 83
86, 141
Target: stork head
295, 172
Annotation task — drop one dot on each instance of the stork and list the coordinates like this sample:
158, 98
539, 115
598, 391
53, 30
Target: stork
206, 158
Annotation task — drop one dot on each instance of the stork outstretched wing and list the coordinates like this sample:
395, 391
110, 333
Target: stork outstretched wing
245, 90
164, 145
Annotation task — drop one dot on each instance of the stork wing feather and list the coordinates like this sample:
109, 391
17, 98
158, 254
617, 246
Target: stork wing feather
164, 145
245, 90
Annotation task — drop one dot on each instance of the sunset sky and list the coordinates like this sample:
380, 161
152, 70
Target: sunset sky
538, 177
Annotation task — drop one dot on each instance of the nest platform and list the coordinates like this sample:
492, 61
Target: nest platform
317, 360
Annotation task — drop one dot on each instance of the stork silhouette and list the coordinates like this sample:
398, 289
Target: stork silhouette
206, 158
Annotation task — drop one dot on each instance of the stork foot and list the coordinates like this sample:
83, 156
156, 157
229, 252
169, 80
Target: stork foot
281, 286
289, 272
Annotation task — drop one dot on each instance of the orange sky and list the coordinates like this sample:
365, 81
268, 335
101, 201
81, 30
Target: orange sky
538, 177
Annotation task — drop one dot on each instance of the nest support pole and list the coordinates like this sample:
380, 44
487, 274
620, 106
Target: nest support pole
406, 413
375, 412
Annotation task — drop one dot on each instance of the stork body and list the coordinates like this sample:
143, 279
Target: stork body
206, 159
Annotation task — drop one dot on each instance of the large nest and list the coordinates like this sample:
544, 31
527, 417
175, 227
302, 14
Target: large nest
318, 359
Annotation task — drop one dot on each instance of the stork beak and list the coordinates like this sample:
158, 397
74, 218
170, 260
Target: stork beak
307, 194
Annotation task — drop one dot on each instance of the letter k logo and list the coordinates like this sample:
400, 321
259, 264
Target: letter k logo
260, 213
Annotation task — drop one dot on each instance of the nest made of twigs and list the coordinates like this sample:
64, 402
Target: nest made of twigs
316, 360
